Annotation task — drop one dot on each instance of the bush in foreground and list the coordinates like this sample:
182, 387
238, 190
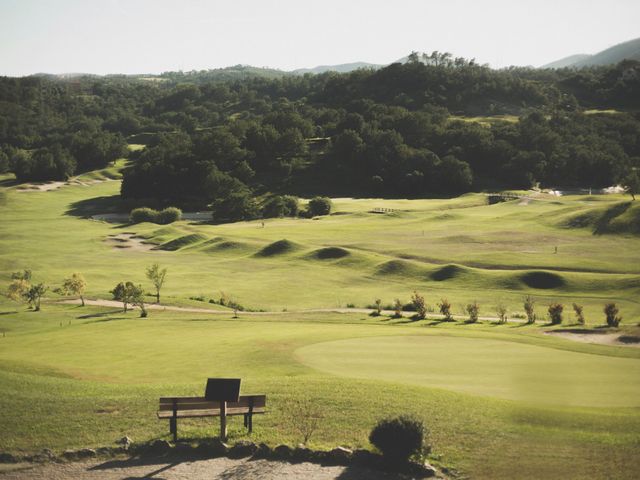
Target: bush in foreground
399, 438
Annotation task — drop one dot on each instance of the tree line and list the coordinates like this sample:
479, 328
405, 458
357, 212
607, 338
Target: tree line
402, 130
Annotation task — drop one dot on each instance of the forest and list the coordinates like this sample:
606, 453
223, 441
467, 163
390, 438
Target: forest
433, 126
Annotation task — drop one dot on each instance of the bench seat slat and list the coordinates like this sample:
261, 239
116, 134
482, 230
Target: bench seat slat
200, 403
208, 413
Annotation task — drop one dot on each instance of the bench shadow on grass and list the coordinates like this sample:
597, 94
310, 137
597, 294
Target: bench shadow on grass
99, 315
163, 465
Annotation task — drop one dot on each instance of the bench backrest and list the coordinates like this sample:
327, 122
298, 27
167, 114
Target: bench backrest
167, 404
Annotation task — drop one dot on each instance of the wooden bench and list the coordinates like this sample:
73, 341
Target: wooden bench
173, 408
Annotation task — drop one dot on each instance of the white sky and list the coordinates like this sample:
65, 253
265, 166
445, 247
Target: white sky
152, 36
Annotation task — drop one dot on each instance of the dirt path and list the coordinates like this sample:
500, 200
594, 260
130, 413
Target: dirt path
613, 339
163, 469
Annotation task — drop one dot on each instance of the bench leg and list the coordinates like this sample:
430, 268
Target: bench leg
173, 428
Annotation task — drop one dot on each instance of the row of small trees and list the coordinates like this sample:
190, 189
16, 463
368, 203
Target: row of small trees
22, 288
554, 310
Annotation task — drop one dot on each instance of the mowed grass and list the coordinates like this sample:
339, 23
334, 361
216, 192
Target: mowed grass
493, 396
74, 377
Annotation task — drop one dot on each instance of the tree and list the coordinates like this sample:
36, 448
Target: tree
137, 298
123, 292
377, 309
472, 310
397, 308
555, 313
34, 294
578, 309
529, 309
75, 285
632, 184
319, 206
501, 311
419, 306
157, 276
445, 309
611, 312
17, 289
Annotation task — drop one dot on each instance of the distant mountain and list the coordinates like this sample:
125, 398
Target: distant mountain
623, 51
567, 61
341, 68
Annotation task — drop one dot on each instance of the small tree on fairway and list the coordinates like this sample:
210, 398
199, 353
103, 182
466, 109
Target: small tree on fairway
472, 310
319, 206
555, 313
34, 295
137, 297
17, 289
419, 305
578, 310
611, 312
445, 309
397, 308
529, 309
501, 311
75, 285
378, 308
632, 184
157, 276
123, 292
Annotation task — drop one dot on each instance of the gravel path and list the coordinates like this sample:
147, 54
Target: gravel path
218, 468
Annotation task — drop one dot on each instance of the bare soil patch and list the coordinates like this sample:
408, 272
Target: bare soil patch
616, 339
166, 469
130, 241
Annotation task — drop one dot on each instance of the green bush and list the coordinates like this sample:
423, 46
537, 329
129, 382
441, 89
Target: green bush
144, 214
611, 312
280, 206
163, 217
169, 215
399, 438
319, 206
555, 313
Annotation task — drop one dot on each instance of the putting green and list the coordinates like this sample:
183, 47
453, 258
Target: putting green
484, 367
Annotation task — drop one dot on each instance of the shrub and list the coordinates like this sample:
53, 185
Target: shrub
304, 416
168, 215
319, 206
143, 214
555, 313
578, 309
445, 309
398, 438
611, 312
377, 308
419, 306
529, 308
397, 308
472, 310
502, 312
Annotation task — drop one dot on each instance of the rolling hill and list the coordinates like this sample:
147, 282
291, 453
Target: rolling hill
623, 51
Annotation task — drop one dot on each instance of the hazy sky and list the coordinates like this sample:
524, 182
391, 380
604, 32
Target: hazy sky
152, 36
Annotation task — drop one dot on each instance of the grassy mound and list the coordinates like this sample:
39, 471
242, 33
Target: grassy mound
227, 246
401, 268
448, 272
542, 280
330, 253
280, 247
623, 217
182, 242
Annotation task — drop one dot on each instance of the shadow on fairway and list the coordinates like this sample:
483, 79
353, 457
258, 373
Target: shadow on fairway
96, 205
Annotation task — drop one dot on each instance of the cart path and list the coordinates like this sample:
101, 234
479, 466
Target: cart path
170, 469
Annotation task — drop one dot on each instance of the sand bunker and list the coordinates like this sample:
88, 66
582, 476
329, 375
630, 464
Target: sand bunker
600, 338
130, 241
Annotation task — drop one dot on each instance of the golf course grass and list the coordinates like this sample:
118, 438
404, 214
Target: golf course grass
500, 401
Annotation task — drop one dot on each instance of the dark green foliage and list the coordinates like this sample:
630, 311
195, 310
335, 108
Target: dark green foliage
238, 205
555, 313
280, 206
398, 438
169, 215
611, 314
319, 206
162, 217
